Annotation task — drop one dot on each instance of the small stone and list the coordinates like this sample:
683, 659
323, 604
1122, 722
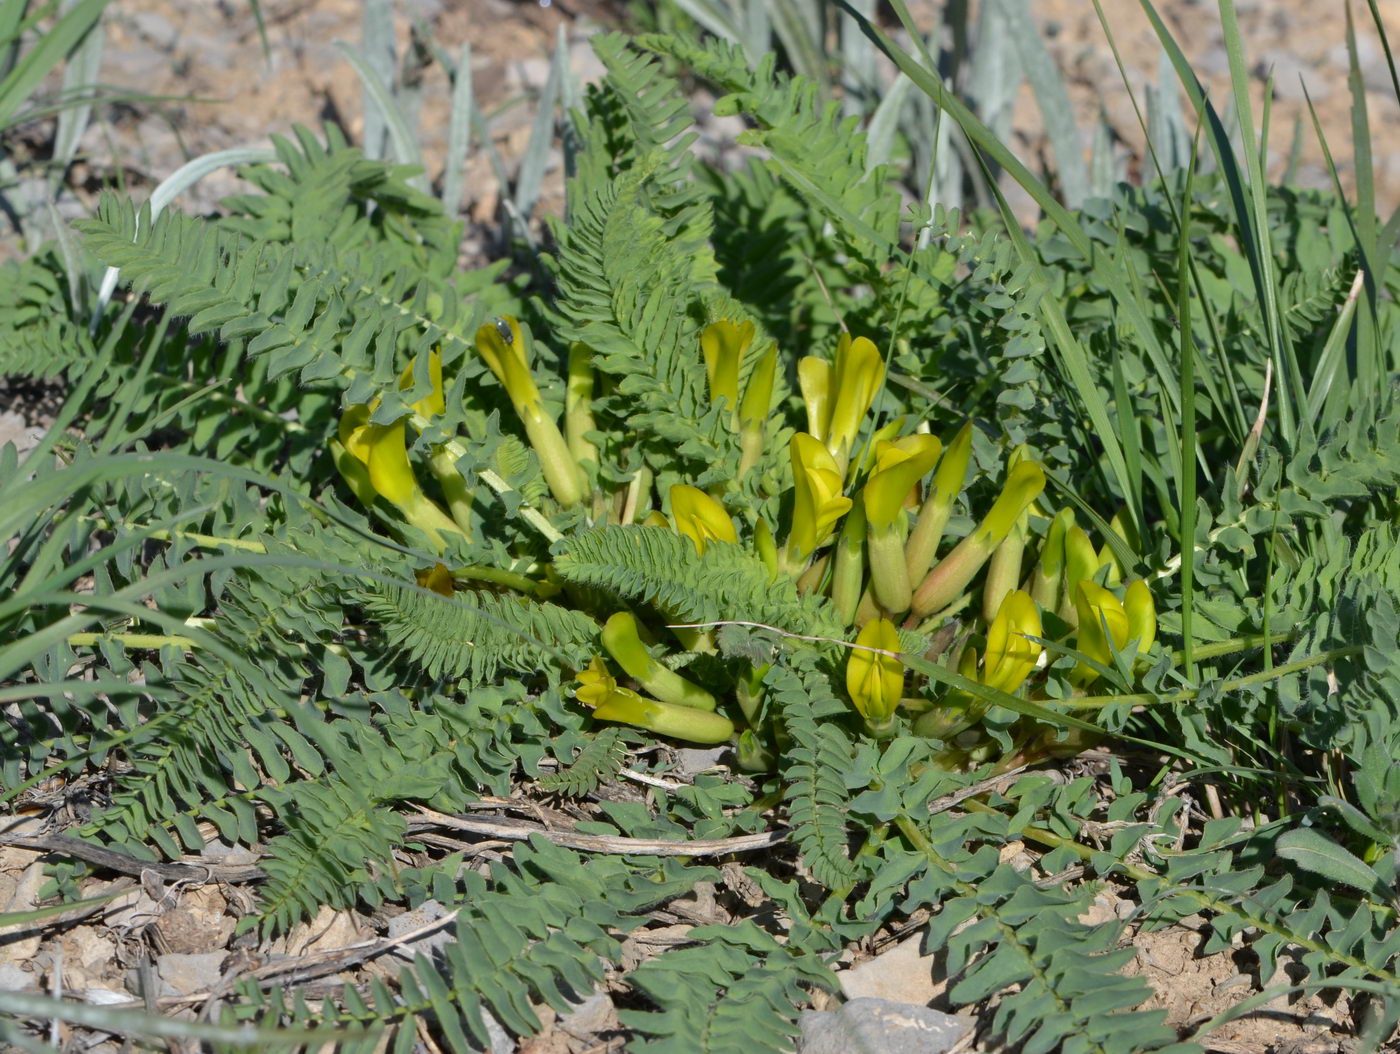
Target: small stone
427, 912
156, 28
903, 974
877, 1026
691, 760
20, 943
14, 978
595, 1014
188, 974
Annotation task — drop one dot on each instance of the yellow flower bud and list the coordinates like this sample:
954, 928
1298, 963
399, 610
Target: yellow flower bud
817, 502
1098, 610
875, 680
856, 378
598, 690
699, 517
723, 344
1011, 655
435, 402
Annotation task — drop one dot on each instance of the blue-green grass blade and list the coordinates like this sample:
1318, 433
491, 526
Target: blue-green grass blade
860, 85
380, 99
1186, 477
1385, 46
984, 141
80, 82
1290, 397
459, 132
1370, 364
799, 27
1334, 351
532, 165
1052, 98
380, 56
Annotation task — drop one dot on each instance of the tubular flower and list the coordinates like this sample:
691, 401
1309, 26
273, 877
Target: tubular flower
622, 642
1011, 655
838, 396
723, 344
435, 402
502, 347
753, 410
950, 577
899, 465
857, 376
814, 381
699, 517
1142, 614
875, 680
817, 501
947, 484
1103, 628
1045, 579
383, 453
599, 691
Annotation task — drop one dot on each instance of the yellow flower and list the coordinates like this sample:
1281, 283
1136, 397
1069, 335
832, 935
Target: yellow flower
856, 378
1098, 610
875, 680
817, 501
723, 344
598, 690
1011, 655
899, 465
502, 347
435, 402
1142, 614
699, 517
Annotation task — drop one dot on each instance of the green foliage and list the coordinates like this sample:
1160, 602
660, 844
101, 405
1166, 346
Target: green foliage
478, 637
251, 652
657, 566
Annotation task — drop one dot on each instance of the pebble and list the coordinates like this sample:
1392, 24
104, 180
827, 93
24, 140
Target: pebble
426, 912
187, 974
903, 974
14, 978
878, 1026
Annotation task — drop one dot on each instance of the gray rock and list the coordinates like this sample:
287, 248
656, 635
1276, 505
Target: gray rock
196, 972
877, 1026
595, 1014
156, 28
15, 978
426, 912
690, 760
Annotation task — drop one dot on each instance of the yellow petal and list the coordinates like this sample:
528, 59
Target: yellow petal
1011, 655
723, 344
390, 471
699, 517
898, 467
814, 381
856, 378
817, 500
875, 681
501, 345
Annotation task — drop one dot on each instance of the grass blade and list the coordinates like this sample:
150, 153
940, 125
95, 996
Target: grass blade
532, 165
401, 138
459, 132
80, 78
34, 65
1052, 97
377, 38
